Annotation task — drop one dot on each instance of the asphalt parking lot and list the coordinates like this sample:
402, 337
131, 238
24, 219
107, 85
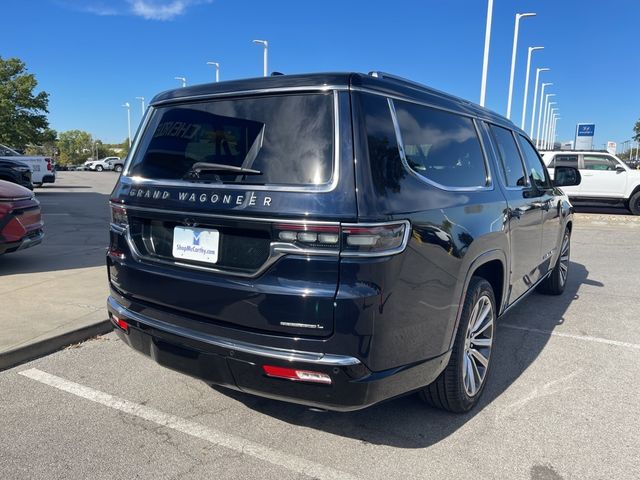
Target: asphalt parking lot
562, 402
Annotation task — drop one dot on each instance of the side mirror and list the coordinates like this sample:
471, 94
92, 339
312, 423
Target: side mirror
566, 177
620, 169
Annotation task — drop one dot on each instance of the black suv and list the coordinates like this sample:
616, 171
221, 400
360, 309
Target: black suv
15, 172
332, 240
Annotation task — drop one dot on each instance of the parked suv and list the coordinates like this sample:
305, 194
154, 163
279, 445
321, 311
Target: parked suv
333, 240
100, 165
42, 168
605, 178
16, 172
21, 223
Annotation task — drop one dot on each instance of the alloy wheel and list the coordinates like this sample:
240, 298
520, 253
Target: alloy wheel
564, 260
477, 346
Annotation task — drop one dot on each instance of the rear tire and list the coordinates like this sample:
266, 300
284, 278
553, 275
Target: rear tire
461, 383
555, 283
99, 168
118, 168
634, 203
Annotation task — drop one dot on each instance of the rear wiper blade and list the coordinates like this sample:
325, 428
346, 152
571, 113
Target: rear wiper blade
204, 167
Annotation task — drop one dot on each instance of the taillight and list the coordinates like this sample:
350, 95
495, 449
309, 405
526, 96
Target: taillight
316, 236
49, 166
358, 239
375, 239
296, 375
119, 216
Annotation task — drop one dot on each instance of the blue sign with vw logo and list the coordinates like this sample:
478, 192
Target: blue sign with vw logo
586, 130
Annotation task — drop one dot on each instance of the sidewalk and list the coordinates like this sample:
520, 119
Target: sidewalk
54, 294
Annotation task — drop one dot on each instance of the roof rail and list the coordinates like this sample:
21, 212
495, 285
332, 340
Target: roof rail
397, 78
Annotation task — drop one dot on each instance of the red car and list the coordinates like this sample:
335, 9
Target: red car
20, 218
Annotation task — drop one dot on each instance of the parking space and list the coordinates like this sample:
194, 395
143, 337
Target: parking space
561, 403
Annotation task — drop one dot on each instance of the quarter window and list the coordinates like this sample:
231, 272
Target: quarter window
599, 162
509, 157
535, 168
441, 146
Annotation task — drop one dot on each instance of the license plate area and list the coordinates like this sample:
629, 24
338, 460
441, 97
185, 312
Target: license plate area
196, 244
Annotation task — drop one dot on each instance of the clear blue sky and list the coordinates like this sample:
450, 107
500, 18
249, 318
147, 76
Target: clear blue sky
94, 55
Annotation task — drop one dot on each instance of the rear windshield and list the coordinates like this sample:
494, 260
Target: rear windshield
281, 140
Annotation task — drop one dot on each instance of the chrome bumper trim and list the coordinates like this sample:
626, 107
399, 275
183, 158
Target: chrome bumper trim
252, 349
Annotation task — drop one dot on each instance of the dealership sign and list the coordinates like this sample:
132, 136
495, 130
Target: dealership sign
584, 136
611, 147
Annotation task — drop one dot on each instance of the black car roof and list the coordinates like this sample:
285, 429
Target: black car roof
382, 83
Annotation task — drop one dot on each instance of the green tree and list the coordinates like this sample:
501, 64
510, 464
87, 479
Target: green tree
636, 130
75, 147
22, 112
47, 145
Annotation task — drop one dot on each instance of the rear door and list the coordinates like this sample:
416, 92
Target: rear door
600, 177
546, 199
233, 209
525, 214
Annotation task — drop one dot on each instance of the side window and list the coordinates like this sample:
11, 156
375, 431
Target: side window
384, 156
440, 146
509, 157
535, 168
565, 161
599, 162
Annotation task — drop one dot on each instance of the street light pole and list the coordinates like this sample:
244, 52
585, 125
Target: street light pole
555, 127
548, 130
544, 85
265, 54
514, 50
552, 133
128, 107
540, 134
485, 58
183, 80
526, 85
217, 65
141, 104
535, 98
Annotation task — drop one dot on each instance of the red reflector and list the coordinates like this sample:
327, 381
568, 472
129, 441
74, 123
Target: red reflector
120, 323
116, 253
296, 375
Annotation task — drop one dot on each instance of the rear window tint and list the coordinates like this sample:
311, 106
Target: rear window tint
386, 166
288, 139
440, 146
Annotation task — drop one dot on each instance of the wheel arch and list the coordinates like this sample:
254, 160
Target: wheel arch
492, 266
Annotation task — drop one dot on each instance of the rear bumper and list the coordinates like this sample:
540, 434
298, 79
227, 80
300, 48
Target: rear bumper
238, 365
49, 179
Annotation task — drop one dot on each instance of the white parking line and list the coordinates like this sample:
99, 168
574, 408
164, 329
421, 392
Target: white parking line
585, 338
275, 457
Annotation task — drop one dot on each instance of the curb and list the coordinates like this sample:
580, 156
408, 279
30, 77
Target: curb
17, 356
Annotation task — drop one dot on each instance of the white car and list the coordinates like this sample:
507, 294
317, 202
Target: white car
605, 178
42, 170
100, 165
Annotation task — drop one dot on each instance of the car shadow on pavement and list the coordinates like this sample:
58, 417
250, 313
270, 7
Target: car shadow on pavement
613, 210
76, 226
406, 422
